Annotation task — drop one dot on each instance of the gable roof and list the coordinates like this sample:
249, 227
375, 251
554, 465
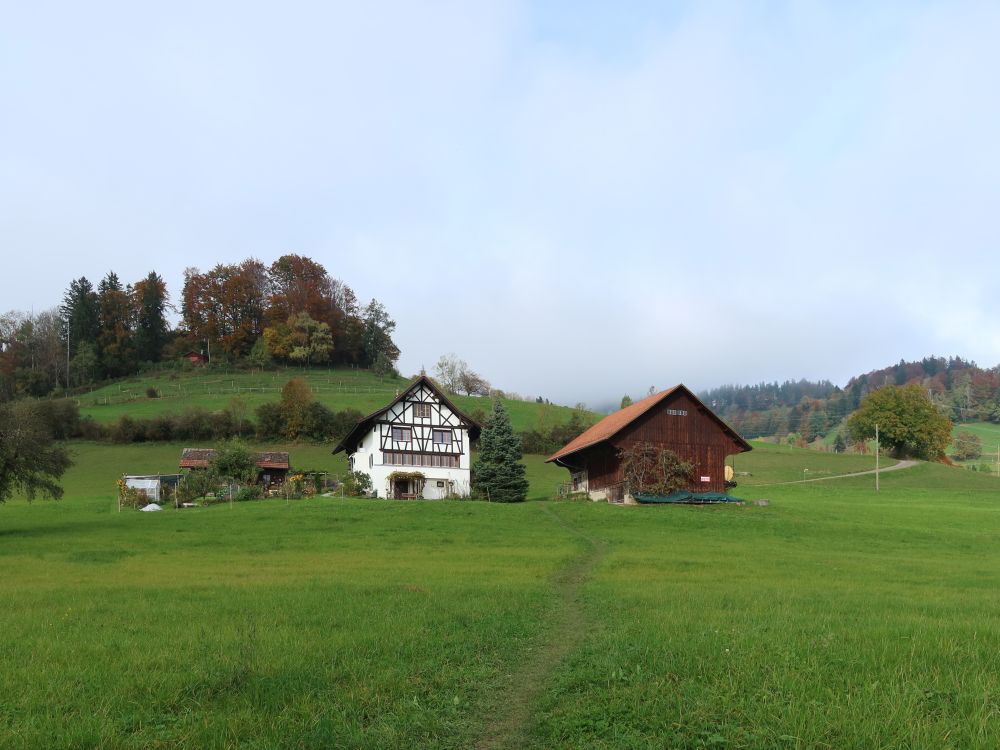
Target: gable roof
617, 421
365, 422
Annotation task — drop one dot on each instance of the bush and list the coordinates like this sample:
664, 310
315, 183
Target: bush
61, 418
160, 428
320, 421
253, 492
357, 484
127, 430
152, 393
270, 421
194, 423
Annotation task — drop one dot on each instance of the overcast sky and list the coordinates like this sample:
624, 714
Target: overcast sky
580, 200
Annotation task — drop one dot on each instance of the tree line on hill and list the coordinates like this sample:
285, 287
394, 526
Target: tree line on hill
292, 311
959, 389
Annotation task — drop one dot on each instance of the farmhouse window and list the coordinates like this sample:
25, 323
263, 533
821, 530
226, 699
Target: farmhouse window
402, 434
405, 458
442, 437
421, 411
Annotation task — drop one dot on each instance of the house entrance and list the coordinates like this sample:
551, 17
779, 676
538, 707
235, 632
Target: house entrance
407, 489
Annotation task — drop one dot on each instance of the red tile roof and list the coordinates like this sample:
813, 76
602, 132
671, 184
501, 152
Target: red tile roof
198, 458
615, 422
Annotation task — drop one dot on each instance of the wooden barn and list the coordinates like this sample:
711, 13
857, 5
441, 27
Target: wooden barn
674, 419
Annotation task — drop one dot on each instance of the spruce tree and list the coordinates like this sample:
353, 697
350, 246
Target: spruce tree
498, 474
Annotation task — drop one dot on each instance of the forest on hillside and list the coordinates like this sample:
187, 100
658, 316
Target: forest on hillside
810, 411
292, 311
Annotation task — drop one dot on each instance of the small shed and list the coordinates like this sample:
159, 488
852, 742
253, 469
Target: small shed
272, 466
195, 357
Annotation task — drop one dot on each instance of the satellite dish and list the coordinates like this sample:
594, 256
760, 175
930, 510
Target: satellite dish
729, 473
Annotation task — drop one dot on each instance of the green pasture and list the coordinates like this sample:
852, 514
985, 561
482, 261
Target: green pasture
337, 389
769, 464
833, 617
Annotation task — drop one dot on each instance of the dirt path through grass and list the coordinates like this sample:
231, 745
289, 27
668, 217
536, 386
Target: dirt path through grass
898, 466
565, 630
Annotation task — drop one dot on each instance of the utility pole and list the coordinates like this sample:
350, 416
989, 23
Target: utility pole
876, 456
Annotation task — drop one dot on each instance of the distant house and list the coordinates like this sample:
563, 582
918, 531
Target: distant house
673, 419
273, 466
417, 446
195, 357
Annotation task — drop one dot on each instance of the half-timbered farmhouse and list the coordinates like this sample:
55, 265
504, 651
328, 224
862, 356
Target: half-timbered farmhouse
418, 446
673, 419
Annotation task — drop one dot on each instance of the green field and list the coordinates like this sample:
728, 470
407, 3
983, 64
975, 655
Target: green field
337, 389
833, 617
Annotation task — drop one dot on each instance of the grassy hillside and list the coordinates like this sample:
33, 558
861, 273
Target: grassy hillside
833, 617
768, 464
335, 388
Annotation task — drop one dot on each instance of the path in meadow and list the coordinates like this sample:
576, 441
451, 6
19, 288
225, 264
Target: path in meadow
907, 464
564, 632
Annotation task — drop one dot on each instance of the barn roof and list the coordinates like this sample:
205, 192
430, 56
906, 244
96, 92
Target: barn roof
198, 458
617, 421
365, 423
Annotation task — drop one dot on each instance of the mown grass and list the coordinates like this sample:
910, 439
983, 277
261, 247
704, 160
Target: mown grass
833, 617
338, 389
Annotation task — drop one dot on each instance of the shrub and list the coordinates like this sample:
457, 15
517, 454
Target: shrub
194, 423
253, 492
357, 484
319, 422
61, 418
151, 392
127, 430
653, 470
270, 421
160, 428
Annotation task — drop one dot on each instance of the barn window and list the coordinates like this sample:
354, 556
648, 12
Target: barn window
421, 411
442, 437
402, 434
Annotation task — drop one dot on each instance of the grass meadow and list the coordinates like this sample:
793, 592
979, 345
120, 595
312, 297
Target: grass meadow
833, 617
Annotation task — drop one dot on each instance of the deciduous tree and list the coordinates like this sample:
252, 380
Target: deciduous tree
31, 462
967, 445
909, 424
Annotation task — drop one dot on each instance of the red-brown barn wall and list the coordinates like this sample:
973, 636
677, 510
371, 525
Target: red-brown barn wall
696, 437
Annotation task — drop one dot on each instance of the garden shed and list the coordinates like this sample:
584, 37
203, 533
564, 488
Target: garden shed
272, 466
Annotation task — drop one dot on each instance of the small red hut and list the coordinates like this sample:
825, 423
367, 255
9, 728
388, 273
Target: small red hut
673, 419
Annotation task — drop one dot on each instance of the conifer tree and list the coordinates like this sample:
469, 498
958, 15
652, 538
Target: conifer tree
498, 473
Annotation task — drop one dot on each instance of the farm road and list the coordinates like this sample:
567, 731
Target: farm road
898, 466
564, 632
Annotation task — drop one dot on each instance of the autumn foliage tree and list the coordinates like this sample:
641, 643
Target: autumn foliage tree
909, 424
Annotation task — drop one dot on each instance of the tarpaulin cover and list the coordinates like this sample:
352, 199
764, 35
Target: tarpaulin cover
690, 498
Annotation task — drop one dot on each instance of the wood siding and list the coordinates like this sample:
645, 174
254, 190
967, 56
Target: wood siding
694, 436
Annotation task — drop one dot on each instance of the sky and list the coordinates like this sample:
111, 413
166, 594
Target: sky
580, 199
